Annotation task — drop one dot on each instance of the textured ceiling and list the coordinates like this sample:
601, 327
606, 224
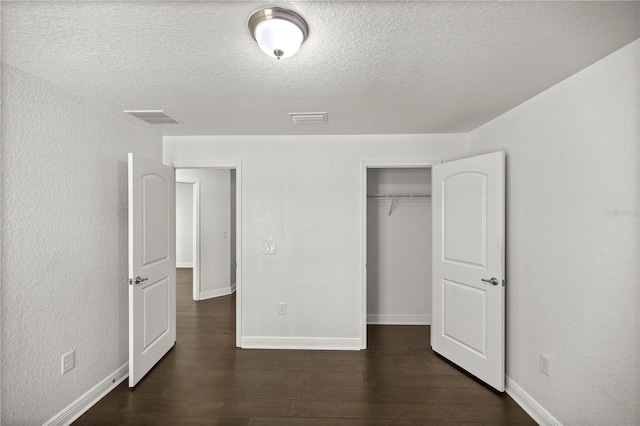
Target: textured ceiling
376, 67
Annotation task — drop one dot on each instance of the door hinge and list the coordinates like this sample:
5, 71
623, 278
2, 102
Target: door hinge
503, 283
130, 281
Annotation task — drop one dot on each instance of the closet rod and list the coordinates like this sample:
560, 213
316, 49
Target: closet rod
381, 196
395, 197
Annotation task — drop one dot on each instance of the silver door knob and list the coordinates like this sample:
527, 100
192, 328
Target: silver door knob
493, 281
139, 280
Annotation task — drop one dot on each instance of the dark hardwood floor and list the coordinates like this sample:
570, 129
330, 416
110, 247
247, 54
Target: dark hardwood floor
206, 380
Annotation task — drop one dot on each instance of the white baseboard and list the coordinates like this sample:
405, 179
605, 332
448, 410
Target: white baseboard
311, 343
90, 398
530, 405
217, 293
233, 287
184, 265
399, 319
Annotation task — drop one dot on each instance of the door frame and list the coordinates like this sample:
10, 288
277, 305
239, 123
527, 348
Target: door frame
196, 234
409, 163
237, 166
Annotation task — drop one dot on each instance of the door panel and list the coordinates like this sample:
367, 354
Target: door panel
464, 198
152, 264
156, 321
155, 218
465, 316
468, 248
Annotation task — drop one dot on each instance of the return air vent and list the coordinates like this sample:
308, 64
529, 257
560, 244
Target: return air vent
308, 117
153, 116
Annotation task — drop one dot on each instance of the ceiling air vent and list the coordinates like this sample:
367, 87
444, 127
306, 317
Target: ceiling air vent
153, 116
308, 117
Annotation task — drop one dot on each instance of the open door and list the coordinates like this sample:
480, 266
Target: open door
152, 264
468, 265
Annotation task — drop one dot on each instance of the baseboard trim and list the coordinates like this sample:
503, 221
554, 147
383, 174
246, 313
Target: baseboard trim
184, 265
399, 319
217, 293
308, 343
530, 405
90, 398
233, 288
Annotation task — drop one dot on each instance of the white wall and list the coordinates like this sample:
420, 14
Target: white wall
572, 213
1, 221
64, 244
215, 219
399, 248
184, 225
303, 193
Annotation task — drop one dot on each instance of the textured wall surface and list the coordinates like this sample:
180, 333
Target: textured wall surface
399, 247
572, 212
184, 225
64, 244
215, 210
303, 193
1, 221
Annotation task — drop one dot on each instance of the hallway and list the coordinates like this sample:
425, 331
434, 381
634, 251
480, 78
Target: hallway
206, 380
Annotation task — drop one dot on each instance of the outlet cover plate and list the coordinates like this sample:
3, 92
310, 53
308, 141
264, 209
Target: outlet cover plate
545, 364
270, 247
68, 362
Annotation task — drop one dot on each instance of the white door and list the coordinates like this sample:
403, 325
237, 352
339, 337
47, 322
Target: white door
468, 265
152, 264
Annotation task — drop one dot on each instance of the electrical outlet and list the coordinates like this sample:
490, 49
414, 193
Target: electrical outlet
67, 362
282, 309
270, 248
545, 364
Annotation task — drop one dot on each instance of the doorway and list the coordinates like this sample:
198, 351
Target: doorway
205, 234
396, 246
209, 195
188, 229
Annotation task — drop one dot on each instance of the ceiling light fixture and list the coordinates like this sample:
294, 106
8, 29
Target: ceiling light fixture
279, 32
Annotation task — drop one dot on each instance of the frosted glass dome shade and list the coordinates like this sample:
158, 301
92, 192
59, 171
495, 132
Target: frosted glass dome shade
279, 32
276, 35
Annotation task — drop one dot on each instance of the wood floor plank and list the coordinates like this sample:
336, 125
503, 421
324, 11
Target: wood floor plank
206, 380
403, 394
151, 420
408, 411
305, 421
360, 410
256, 407
424, 380
158, 404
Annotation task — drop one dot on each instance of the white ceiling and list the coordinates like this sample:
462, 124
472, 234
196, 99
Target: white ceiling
376, 67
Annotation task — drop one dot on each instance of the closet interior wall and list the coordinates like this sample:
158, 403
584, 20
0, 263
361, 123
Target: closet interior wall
399, 246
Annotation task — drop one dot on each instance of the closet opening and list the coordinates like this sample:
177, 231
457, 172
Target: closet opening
397, 245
